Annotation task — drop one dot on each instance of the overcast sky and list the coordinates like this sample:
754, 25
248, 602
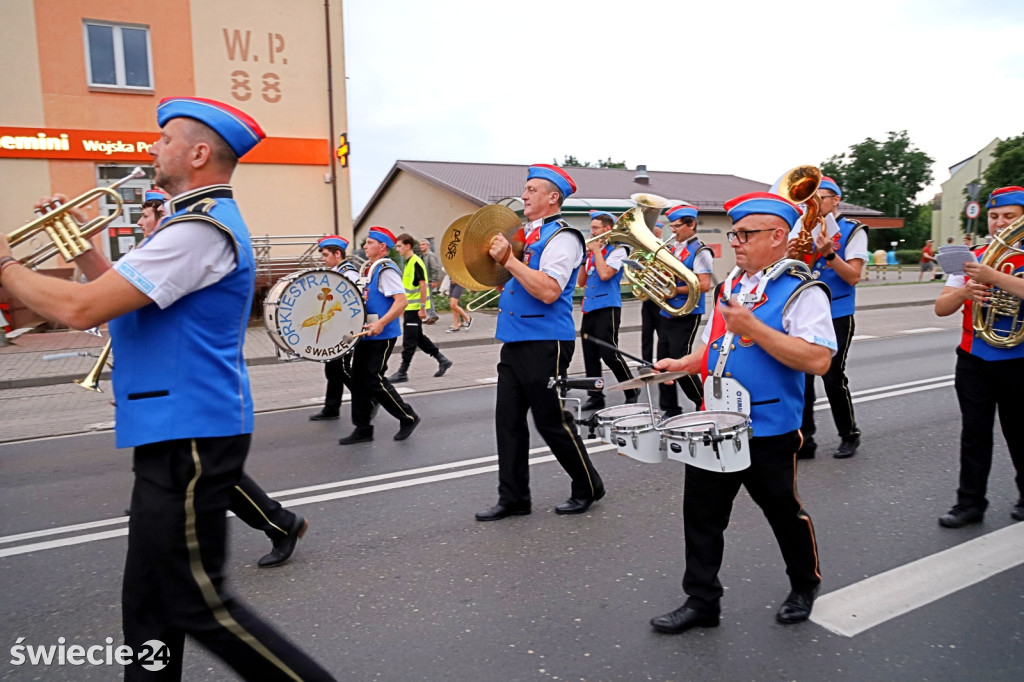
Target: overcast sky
737, 87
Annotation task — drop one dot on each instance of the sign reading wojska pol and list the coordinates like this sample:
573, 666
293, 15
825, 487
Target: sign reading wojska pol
113, 146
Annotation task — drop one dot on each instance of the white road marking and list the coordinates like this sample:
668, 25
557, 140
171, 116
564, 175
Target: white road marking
875, 600
934, 382
862, 337
922, 330
487, 380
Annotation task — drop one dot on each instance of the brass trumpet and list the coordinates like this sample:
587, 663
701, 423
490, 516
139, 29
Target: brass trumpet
800, 185
91, 380
67, 237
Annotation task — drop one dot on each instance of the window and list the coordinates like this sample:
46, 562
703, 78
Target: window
118, 56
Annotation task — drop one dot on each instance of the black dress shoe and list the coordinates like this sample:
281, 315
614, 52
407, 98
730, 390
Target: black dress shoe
960, 516
848, 448
284, 547
807, 450
323, 415
684, 618
357, 436
594, 403
578, 505
1017, 513
500, 511
797, 607
407, 428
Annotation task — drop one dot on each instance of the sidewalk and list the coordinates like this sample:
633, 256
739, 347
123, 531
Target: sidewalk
23, 363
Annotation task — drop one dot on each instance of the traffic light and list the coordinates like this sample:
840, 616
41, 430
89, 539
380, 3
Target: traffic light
343, 150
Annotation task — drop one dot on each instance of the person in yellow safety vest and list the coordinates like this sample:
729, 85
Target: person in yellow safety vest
417, 293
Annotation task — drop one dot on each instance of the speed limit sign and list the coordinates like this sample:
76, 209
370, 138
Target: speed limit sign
972, 210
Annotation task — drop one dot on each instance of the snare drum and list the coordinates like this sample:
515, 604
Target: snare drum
637, 437
314, 314
716, 441
606, 417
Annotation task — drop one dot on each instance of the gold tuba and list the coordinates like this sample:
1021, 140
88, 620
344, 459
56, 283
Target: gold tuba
800, 185
1002, 304
660, 270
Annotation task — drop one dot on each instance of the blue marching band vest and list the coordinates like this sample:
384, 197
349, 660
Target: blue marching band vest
601, 293
378, 304
688, 261
180, 372
844, 295
776, 391
521, 317
974, 344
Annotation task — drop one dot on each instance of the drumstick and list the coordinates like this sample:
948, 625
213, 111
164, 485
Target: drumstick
601, 342
352, 337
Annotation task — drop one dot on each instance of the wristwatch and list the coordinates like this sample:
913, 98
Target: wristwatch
831, 257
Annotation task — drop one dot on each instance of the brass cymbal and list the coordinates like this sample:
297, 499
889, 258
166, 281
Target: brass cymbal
483, 226
646, 379
451, 250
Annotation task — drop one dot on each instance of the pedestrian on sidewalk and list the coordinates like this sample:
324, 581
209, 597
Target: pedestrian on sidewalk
418, 306
455, 303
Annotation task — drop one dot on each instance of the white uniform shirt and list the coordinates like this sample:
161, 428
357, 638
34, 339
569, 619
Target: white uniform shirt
560, 257
615, 258
178, 260
703, 263
809, 317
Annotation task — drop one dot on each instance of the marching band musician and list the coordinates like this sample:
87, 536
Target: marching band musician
385, 301
538, 337
837, 261
650, 314
987, 378
334, 254
676, 334
249, 501
782, 330
600, 278
185, 299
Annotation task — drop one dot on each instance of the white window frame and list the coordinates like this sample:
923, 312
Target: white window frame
119, 69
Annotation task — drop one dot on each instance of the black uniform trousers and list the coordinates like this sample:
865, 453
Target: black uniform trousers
603, 324
369, 385
413, 338
837, 387
707, 505
650, 313
339, 375
675, 339
174, 582
524, 369
252, 505
982, 387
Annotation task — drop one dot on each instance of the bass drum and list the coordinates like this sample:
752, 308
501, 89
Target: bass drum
314, 314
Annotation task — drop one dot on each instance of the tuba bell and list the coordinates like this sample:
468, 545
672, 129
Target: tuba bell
91, 380
659, 270
1000, 323
800, 185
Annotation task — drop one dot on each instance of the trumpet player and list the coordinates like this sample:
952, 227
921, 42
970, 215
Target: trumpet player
184, 299
600, 278
840, 251
676, 334
987, 378
538, 337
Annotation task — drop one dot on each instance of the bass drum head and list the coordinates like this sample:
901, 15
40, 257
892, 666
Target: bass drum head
314, 314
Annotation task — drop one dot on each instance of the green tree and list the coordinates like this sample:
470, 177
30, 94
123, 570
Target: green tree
1007, 167
885, 176
570, 161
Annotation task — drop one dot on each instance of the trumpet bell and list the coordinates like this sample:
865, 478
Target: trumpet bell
799, 184
466, 243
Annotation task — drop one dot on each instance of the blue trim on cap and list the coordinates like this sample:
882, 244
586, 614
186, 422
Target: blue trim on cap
764, 206
552, 176
1007, 197
682, 212
830, 184
239, 135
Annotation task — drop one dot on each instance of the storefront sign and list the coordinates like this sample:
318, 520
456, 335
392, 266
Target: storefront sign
113, 146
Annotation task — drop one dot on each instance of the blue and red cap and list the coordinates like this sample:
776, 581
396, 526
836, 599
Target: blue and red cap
597, 214
238, 129
555, 175
383, 235
333, 240
762, 203
156, 194
681, 211
830, 184
1006, 196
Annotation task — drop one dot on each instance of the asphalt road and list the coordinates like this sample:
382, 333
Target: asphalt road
396, 581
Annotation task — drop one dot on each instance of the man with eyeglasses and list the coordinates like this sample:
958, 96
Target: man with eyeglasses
676, 333
781, 328
840, 251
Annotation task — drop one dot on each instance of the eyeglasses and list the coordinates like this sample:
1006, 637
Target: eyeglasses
744, 236
828, 196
